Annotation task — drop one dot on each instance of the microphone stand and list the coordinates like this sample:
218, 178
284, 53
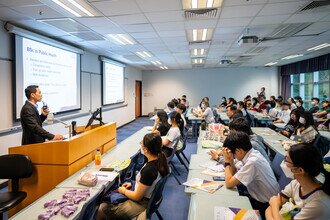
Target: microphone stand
66, 126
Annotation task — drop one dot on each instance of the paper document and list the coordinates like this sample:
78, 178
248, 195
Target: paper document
224, 213
204, 185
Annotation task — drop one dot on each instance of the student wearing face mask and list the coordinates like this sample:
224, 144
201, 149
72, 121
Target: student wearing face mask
161, 125
303, 163
307, 129
299, 104
180, 108
293, 123
256, 173
291, 103
207, 113
146, 180
173, 135
315, 105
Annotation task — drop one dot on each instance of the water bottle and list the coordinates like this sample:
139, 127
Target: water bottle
98, 157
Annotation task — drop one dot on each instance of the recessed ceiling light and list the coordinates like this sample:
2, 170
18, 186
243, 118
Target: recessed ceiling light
319, 47
198, 52
81, 8
123, 39
67, 8
200, 4
144, 54
204, 34
158, 62
198, 60
270, 64
292, 56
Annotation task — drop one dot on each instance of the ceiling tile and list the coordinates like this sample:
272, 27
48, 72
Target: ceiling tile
7, 14
132, 28
282, 8
159, 5
240, 11
234, 22
122, 7
11, 3
37, 11
240, 2
129, 19
168, 26
200, 24
144, 35
165, 16
306, 17
178, 33
272, 19
95, 21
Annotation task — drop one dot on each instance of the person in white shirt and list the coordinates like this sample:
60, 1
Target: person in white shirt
206, 113
292, 103
284, 116
172, 137
273, 111
303, 163
256, 173
185, 102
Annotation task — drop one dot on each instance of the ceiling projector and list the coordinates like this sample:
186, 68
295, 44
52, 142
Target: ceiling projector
247, 40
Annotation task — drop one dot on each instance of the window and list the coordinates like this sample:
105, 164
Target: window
308, 85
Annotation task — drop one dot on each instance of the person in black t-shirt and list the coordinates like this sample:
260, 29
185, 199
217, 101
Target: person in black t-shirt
161, 125
315, 105
146, 179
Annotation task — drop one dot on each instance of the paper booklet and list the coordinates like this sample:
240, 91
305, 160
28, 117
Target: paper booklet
213, 165
224, 213
204, 185
211, 144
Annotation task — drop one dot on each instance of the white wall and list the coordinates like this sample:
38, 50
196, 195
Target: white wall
159, 87
91, 95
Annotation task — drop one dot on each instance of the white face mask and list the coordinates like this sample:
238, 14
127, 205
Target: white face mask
169, 121
302, 121
298, 104
203, 105
328, 116
286, 170
313, 103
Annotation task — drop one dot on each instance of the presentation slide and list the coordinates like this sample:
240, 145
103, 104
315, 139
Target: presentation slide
56, 71
113, 83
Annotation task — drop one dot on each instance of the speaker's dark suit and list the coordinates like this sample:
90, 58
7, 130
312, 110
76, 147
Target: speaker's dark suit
32, 125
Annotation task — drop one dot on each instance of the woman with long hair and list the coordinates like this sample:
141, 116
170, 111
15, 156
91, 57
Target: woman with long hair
303, 163
161, 125
172, 137
146, 180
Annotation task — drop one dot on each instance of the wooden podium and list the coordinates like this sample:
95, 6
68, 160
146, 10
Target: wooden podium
55, 161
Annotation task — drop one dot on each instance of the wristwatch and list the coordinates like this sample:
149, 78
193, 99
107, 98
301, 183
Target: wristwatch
227, 164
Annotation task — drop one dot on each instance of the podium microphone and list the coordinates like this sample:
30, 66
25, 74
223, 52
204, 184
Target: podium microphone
50, 118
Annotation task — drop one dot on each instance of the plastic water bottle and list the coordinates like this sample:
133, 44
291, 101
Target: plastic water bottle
98, 157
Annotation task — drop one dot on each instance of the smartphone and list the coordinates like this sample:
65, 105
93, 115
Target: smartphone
106, 169
219, 178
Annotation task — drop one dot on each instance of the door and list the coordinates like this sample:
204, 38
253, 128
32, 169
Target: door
138, 99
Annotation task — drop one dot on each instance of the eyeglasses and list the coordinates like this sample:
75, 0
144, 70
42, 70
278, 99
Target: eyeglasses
286, 160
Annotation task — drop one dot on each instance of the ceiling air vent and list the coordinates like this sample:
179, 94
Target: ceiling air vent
201, 13
88, 36
287, 30
243, 58
255, 51
316, 4
200, 43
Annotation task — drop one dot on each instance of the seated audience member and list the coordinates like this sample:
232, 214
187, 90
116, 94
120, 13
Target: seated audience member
223, 102
255, 103
241, 124
324, 110
247, 98
303, 163
262, 104
181, 108
293, 123
256, 173
272, 98
291, 103
241, 106
278, 105
175, 101
272, 111
248, 105
280, 98
185, 98
230, 111
146, 180
231, 101
307, 129
170, 108
283, 117
262, 92
299, 104
161, 125
172, 137
207, 113
315, 105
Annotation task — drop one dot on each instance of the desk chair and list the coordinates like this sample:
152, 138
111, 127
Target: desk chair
13, 167
171, 164
156, 199
90, 208
322, 144
279, 174
180, 151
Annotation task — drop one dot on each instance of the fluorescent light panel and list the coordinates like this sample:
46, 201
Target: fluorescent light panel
204, 34
292, 56
197, 60
270, 64
123, 39
198, 52
81, 8
67, 8
319, 47
144, 54
201, 4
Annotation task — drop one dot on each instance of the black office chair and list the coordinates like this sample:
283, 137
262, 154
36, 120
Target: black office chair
156, 199
171, 164
90, 208
13, 167
180, 151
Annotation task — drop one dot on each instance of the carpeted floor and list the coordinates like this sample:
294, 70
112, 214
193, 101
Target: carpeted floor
175, 203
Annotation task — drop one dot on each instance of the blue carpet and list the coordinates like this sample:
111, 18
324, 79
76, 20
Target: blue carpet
175, 203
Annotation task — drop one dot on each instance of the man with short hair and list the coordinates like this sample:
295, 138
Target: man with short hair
284, 116
31, 120
181, 108
170, 108
315, 105
186, 101
256, 173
